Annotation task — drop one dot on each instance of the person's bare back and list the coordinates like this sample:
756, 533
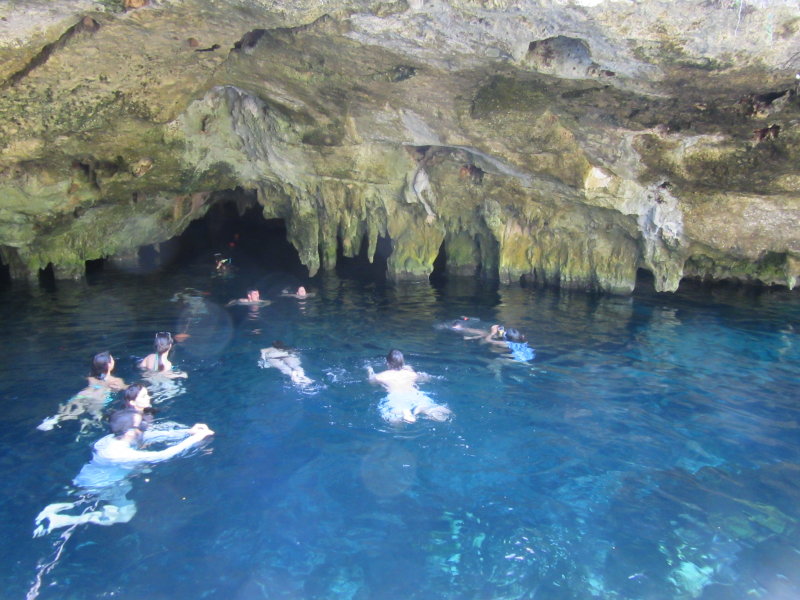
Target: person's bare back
404, 400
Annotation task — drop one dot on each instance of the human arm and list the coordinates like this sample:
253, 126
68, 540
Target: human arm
120, 452
371, 375
422, 376
491, 337
163, 432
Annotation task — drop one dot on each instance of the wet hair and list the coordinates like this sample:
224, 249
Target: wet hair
162, 344
100, 363
122, 421
513, 335
395, 359
130, 394
279, 345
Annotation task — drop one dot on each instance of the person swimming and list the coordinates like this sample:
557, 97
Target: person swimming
92, 399
286, 360
158, 363
253, 298
105, 479
405, 401
102, 365
137, 399
513, 340
466, 326
300, 293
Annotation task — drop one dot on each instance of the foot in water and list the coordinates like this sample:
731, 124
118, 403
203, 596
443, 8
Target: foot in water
108, 515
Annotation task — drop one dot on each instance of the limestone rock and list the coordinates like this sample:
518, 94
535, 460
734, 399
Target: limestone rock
565, 143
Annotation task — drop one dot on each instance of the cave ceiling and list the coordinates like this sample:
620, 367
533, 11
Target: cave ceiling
565, 143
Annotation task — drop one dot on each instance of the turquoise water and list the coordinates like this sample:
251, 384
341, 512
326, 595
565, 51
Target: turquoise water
650, 451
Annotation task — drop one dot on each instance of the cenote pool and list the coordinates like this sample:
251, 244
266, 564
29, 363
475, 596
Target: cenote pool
651, 450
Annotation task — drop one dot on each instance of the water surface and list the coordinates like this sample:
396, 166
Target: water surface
651, 449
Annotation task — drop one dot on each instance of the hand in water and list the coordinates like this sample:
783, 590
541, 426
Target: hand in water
201, 429
47, 424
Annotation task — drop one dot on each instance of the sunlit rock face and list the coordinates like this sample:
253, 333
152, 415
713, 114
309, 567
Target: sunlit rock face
565, 143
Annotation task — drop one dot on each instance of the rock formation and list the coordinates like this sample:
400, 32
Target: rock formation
560, 142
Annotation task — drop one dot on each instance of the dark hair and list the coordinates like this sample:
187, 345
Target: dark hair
100, 363
122, 421
395, 359
162, 344
129, 396
513, 335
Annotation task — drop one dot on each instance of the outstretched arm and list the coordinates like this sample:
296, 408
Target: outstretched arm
130, 455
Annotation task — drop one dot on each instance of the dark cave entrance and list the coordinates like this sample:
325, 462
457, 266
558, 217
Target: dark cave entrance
359, 267
234, 227
645, 282
439, 273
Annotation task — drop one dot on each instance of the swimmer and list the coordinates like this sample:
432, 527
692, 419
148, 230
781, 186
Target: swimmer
102, 365
469, 333
253, 299
405, 401
286, 360
137, 399
92, 399
513, 340
221, 264
105, 478
300, 293
158, 363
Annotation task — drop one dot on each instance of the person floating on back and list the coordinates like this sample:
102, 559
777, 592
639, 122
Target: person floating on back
405, 401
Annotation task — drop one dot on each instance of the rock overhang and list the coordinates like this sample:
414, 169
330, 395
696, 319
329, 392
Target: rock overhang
568, 143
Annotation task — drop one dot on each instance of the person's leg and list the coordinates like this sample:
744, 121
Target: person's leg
396, 412
436, 412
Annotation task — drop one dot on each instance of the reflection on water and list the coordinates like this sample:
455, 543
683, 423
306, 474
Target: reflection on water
649, 451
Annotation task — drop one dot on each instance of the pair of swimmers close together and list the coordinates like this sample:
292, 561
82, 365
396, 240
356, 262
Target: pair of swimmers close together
253, 297
510, 339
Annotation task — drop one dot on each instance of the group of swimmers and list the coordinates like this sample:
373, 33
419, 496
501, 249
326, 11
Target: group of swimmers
104, 480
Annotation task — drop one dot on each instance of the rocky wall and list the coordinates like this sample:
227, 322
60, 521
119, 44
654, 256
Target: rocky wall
560, 143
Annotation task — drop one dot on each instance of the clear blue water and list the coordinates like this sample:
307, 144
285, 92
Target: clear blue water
650, 451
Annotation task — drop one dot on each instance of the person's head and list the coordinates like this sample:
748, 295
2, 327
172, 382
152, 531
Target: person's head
126, 423
102, 364
162, 342
253, 295
513, 335
136, 397
301, 291
395, 359
279, 345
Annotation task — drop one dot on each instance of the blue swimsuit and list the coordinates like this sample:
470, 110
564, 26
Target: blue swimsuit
521, 351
